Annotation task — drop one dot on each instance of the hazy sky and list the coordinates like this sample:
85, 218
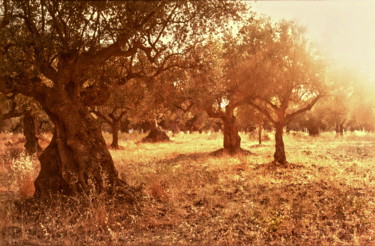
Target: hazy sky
344, 29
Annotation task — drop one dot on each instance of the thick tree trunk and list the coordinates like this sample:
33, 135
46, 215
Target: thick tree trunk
30, 131
313, 131
115, 130
232, 140
50, 181
279, 156
156, 134
77, 161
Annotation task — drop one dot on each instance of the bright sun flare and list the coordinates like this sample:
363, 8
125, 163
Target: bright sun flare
344, 30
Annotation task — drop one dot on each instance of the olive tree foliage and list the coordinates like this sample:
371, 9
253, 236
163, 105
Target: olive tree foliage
362, 115
295, 83
57, 53
349, 104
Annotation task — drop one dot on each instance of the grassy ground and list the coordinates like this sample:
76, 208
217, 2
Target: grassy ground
325, 196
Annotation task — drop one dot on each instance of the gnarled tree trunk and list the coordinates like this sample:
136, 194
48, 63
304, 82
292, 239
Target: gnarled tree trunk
77, 161
279, 156
232, 140
156, 134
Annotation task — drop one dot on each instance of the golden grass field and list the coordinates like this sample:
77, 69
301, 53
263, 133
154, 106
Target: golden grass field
325, 196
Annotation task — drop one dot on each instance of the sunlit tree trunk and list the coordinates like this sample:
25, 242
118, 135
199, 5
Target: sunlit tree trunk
77, 161
232, 140
279, 156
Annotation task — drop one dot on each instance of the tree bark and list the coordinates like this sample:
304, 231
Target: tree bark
279, 156
156, 134
50, 181
77, 161
115, 130
232, 140
30, 131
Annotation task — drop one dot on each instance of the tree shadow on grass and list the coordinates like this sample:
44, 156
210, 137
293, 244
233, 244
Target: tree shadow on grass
224, 152
185, 157
271, 166
203, 155
258, 146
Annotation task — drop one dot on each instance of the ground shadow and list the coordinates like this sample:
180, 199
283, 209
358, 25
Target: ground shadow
224, 152
270, 166
185, 157
258, 145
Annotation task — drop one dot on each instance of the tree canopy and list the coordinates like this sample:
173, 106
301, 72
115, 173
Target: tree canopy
58, 52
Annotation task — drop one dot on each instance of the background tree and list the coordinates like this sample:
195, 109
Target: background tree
294, 84
55, 52
214, 91
250, 120
349, 104
31, 119
114, 111
229, 74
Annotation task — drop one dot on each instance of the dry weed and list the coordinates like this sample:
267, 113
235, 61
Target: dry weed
324, 197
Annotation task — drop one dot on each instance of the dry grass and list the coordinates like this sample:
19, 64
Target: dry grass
324, 197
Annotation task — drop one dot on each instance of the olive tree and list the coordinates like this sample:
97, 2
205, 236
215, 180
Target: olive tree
230, 74
57, 52
294, 84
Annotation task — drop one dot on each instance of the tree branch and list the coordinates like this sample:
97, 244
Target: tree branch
289, 117
263, 111
32, 87
100, 115
212, 114
268, 102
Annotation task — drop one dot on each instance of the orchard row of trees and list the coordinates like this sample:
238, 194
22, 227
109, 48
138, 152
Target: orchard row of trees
168, 63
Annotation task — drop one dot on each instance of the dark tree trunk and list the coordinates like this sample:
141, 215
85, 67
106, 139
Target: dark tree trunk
313, 131
77, 161
340, 129
50, 181
232, 140
279, 156
260, 133
115, 130
337, 129
156, 134
30, 131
